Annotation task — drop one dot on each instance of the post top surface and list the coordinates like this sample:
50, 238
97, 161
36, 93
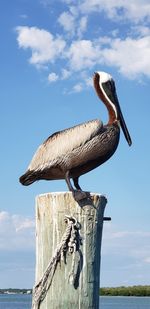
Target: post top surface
70, 193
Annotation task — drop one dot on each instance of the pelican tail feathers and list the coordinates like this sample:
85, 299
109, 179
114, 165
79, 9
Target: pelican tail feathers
29, 177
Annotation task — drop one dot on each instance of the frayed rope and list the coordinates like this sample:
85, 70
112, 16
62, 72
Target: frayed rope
70, 242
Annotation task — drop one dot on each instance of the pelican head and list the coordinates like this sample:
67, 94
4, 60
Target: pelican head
106, 90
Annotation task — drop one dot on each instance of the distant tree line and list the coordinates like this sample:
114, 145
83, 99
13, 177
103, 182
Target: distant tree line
17, 291
136, 290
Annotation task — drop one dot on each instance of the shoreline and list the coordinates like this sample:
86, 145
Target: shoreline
135, 291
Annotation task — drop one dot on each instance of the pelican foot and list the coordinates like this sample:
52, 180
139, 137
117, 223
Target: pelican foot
79, 195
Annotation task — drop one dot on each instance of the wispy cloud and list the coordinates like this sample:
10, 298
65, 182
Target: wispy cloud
77, 88
65, 74
126, 243
73, 22
23, 16
67, 21
135, 10
53, 77
125, 255
16, 232
82, 26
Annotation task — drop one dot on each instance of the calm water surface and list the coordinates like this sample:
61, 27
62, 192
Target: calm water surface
124, 302
15, 301
24, 302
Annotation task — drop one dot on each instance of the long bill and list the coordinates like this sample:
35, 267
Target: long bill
124, 128
122, 121
107, 93
120, 117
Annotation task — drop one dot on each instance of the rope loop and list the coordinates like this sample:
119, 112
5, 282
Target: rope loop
70, 242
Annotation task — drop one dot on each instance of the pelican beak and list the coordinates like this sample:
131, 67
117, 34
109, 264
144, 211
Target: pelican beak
124, 128
121, 120
105, 88
110, 90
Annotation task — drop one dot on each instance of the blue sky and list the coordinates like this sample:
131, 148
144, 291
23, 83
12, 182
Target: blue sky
49, 51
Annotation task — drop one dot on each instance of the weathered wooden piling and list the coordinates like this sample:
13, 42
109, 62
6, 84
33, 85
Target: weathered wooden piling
75, 277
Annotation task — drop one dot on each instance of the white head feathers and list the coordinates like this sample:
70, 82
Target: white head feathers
104, 77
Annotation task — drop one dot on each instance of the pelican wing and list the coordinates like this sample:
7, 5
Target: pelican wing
64, 142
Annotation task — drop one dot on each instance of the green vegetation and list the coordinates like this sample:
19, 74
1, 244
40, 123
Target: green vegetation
137, 290
15, 291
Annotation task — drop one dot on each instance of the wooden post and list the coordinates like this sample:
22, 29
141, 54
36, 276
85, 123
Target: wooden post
51, 209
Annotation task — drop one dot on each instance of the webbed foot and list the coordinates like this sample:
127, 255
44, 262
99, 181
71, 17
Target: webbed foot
79, 195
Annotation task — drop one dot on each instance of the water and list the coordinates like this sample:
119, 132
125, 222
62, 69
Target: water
18, 301
15, 301
124, 302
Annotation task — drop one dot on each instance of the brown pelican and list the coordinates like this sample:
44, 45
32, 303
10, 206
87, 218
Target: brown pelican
70, 153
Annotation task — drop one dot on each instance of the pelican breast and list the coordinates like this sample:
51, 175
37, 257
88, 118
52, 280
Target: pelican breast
64, 142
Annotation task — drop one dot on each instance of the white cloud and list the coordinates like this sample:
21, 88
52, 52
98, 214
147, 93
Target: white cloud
126, 243
140, 30
65, 74
78, 87
82, 26
72, 22
134, 10
22, 224
67, 21
125, 255
43, 45
130, 56
82, 54
16, 232
52, 77
89, 81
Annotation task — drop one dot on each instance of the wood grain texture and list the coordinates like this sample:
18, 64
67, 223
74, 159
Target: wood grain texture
51, 209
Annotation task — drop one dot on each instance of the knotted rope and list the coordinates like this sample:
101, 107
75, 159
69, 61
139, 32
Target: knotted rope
70, 242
